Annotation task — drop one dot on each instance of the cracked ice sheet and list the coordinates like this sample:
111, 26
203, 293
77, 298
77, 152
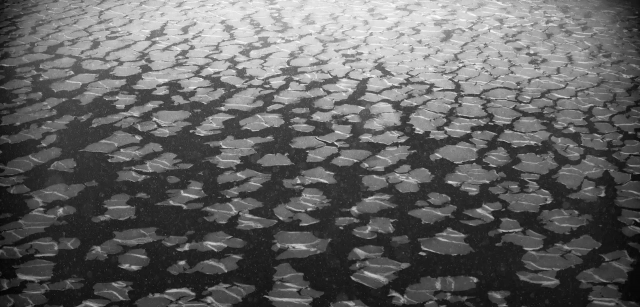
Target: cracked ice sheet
527, 107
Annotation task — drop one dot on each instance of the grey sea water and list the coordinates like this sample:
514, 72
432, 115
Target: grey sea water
319, 153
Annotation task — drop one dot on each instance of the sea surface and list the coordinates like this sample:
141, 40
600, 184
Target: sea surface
319, 153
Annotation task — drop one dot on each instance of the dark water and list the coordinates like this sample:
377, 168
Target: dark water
341, 153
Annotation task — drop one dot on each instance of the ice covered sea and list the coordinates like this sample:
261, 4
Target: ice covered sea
319, 153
